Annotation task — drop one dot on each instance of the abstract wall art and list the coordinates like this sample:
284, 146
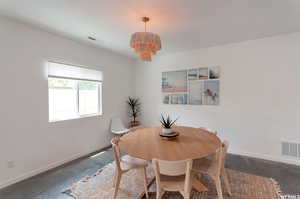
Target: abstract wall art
174, 81
197, 86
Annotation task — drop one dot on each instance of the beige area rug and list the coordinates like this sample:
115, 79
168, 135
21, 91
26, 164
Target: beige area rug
99, 186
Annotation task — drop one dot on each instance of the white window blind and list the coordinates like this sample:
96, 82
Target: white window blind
74, 92
73, 72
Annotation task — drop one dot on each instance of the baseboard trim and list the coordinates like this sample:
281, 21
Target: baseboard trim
282, 159
50, 167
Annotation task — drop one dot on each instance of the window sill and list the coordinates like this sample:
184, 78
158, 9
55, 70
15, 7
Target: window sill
75, 118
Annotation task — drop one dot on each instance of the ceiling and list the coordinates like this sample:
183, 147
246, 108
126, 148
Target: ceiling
182, 24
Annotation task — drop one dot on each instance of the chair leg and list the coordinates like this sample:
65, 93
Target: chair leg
115, 179
218, 187
117, 185
159, 193
187, 191
187, 194
226, 181
145, 182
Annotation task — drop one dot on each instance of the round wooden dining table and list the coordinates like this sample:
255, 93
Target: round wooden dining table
192, 143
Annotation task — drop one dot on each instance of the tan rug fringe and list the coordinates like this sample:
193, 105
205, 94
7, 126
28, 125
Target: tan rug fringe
277, 187
86, 179
69, 192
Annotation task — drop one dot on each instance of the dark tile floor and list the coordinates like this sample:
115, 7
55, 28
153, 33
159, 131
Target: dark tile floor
49, 185
288, 176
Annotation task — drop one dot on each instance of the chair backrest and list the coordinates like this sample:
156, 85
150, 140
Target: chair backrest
116, 125
173, 168
116, 151
209, 130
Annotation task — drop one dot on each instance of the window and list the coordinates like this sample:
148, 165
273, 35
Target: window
73, 95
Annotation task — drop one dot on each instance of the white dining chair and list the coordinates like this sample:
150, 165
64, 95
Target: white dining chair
173, 176
117, 127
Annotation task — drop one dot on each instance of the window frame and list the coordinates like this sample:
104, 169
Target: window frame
79, 116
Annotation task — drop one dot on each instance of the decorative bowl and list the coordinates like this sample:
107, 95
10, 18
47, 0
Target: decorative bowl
169, 136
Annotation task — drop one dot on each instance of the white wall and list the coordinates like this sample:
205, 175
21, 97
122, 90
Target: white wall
260, 98
26, 137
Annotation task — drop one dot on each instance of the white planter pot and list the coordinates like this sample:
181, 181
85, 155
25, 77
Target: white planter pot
166, 131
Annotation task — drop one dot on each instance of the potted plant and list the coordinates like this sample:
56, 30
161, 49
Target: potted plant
167, 124
134, 110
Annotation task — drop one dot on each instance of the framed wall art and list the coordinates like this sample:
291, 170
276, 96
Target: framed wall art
197, 86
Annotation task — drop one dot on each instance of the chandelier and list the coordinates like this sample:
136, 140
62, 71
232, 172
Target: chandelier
145, 43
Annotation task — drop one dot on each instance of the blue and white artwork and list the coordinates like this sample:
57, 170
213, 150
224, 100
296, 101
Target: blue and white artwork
174, 81
211, 92
196, 86
196, 89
